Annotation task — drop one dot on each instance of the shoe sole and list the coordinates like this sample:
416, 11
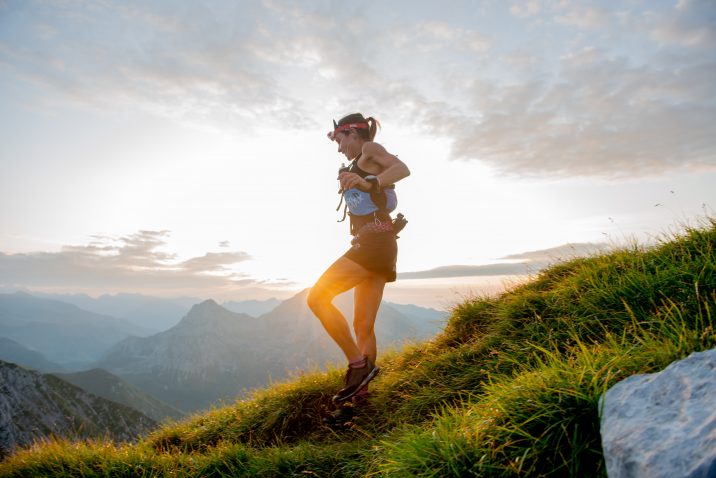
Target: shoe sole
366, 381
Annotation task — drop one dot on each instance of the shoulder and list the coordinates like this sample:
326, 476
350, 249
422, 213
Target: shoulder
376, 155
375, 152
371, 148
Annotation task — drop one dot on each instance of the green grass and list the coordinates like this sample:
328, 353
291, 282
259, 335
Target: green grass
511, 387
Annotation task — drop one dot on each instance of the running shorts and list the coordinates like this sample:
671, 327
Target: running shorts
377, 251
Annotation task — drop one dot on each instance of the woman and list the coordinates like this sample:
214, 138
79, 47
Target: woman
367, 186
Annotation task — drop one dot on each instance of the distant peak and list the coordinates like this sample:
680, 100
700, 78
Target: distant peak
207, 310
208, 303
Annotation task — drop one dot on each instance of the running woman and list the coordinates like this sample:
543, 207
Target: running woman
367, 186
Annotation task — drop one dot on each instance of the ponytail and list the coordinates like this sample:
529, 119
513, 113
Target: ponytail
373, 127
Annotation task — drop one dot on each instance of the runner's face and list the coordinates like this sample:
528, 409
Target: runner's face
348, 144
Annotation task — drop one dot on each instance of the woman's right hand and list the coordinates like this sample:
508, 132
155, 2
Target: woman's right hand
353, 180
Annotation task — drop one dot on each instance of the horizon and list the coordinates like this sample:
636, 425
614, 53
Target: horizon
440, 288
176, 147
402, 297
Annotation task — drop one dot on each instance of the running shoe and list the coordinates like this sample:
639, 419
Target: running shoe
356, 378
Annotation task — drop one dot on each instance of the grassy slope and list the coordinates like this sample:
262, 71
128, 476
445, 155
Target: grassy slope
510, 388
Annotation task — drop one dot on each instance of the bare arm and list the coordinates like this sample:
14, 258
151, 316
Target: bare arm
392, 169
386, 167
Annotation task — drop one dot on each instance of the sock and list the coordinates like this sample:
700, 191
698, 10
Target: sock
362, 392
360, 363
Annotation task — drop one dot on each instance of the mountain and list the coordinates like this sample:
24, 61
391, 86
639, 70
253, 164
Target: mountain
420, 313
254, 308
11, 351
64, 333
303, 339
106, 385
155, 314
35, 406
428, 321
214, 354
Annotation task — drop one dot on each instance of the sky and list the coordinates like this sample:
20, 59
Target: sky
178, 148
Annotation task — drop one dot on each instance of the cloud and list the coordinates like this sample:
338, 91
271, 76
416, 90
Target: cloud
563, 252
133, 262
190, 62
436, 35
606, 102
530, 262
597, 111
604, 117
583, 17
471, 271
692, 24
527, 9
213, 262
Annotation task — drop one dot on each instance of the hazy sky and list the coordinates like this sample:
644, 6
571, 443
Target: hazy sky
179, 147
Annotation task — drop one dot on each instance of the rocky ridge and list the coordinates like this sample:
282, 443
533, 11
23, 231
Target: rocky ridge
34, 406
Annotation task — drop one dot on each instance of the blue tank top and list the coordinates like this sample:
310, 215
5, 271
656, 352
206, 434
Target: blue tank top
359, 202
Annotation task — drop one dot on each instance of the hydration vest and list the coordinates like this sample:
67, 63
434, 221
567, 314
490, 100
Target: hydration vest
364, 206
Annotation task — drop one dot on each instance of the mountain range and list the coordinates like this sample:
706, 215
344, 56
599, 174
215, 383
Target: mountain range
211, 355
154, 314
11, 351
215, 355
302, 339
63, 333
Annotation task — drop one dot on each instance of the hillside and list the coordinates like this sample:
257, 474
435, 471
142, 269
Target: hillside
509, 388
106, 385
11, 351
35, 406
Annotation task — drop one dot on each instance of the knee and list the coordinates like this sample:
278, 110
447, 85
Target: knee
317, 299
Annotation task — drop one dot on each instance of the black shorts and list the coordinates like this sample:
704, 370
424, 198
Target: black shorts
377, 252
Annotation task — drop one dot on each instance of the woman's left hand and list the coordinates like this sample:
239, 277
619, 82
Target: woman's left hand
353, 180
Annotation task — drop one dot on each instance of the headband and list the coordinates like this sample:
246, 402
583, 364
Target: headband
337, 129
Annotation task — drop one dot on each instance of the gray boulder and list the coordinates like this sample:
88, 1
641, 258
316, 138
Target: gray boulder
663, 424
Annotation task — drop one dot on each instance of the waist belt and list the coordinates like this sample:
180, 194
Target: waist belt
359, 221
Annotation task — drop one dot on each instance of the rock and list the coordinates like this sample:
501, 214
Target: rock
663, 424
